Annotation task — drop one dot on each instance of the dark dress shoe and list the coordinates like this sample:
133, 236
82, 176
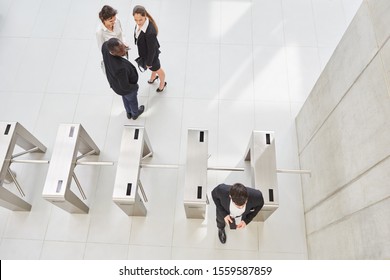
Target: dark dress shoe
222, 235
161, 89
129, 116
152, 81
141, 109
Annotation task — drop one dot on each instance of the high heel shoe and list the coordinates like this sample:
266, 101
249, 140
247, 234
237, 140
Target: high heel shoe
162, 89
151, 82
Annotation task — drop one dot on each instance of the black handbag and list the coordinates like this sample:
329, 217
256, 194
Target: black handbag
141, 64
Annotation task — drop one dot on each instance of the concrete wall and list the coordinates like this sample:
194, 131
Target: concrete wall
344, 138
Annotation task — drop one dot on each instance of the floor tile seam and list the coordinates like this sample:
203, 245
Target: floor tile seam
19, 66
71, 39
315, 26
239, 99
344, 13
98, 94
35, 18
270, 251
199, 43
346, 185
303, 46
92, 202
6, 92
284, 46
15, 37
39, 37
46, 228
19, 239
218, 137
107, 129
59, 39
254, 98
183, 98
45, 93
200, 99
66, 19
174, 208
151, 246
52, 93
212, 248
8, 9
47, 241
106, 243
178, 159
127, 247
253, 81
225, 44
75, 110
5, 224
64, 241
347, 217
85, 66
162, 97
283, 102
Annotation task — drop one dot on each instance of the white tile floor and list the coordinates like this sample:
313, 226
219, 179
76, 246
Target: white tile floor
232, 66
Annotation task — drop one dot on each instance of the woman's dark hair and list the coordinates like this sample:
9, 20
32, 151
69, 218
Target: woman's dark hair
142, 11
107, 12
239, 194
113, 45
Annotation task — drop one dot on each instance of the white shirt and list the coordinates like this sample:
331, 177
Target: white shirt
143, 28
103, 34
236, 212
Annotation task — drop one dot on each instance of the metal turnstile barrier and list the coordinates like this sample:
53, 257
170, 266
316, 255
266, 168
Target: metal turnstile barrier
73, 143
71, 140
135, 147
195, 185
14, 134
262, 156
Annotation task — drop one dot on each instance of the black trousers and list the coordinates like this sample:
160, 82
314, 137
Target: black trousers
220, 220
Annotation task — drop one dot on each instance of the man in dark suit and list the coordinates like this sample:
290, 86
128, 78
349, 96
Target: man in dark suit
122, 76
236, 205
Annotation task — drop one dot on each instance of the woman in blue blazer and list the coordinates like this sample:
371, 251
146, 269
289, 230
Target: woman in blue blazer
145, 36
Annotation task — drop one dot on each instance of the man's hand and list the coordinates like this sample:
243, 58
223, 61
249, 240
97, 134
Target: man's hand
242, 224
228, 219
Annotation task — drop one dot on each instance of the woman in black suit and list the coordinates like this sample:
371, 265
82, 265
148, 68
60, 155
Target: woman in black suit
145, 36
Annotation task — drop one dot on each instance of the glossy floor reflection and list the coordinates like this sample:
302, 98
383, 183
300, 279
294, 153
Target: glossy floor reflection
232, 67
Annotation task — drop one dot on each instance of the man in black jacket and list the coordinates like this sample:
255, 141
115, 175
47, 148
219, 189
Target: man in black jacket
122, 76
236, 205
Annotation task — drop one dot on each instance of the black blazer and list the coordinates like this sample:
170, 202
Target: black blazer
222, 200
147, 43
121, 74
